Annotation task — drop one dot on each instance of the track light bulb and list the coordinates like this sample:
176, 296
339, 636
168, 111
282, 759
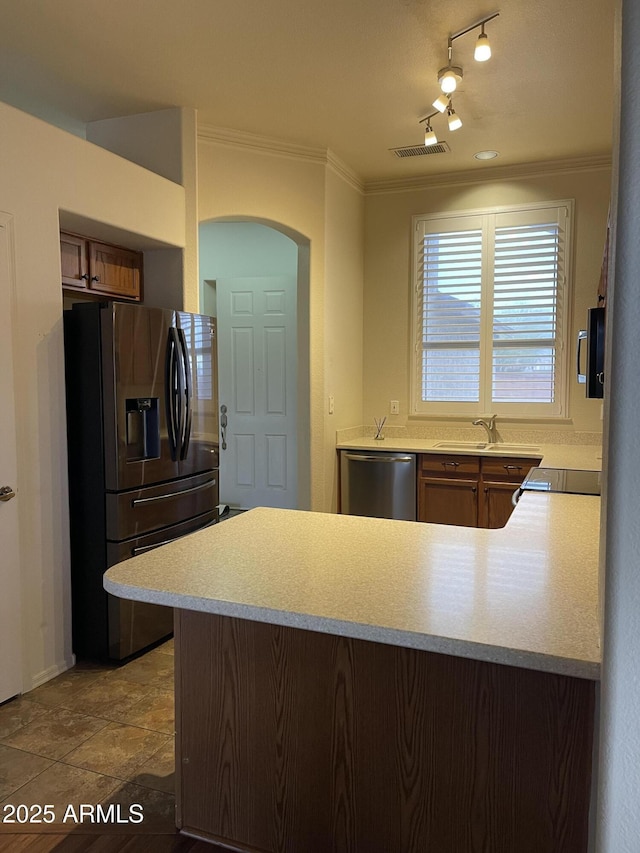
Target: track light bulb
449, 77
441, 103
483, 48
448, 82
429, 136
454, 119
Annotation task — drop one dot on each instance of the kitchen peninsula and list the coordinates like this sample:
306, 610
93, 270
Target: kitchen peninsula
368, 685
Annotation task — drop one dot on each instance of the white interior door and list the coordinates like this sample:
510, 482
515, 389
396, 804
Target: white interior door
10, 644
257, 356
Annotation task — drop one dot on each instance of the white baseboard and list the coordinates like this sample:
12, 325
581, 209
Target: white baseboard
51, 672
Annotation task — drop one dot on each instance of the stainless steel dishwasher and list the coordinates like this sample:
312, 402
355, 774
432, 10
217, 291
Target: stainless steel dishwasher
380, 484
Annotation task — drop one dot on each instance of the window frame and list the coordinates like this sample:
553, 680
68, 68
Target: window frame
559, 409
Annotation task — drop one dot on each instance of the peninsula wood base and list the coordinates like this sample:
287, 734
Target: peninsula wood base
296, 741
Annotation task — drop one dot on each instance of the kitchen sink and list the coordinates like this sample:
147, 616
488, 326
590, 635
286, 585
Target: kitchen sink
512, 448
499, 447
460, 445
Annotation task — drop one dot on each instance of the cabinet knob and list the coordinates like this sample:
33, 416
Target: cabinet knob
95, 278
85, 277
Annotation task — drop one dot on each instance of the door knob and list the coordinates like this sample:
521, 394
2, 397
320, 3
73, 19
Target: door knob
6, 493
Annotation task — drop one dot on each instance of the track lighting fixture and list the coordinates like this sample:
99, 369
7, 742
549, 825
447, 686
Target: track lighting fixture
451, 75
453, 118
483, 48
430, 137
441, 103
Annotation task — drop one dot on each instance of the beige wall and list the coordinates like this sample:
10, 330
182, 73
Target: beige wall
303, 196
344, 264
388, 267
43, 169
163, 141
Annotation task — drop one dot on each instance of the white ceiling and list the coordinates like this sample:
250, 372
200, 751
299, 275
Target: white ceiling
350, 75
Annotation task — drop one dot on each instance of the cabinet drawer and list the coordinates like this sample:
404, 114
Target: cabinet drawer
451, 464
507, 468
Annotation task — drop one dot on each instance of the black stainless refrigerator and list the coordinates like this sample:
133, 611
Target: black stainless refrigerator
142, 429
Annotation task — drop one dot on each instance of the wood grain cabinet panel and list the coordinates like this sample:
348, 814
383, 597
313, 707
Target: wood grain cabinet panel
449, 464
448, 500
495, 503
500, 478
99, 269
292, 741
74, 261
114, 271
470, 491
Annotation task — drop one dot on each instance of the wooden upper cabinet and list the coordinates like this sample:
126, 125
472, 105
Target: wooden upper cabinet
75, 261
100, 269
115, 271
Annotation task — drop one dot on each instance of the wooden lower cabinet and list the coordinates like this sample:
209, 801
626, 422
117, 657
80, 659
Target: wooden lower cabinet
495, 503
469, 491
291, 741
445, 500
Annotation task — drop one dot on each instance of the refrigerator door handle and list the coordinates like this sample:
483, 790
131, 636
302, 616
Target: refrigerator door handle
582, 336
173, 402
208, 485
185, 433
142, 548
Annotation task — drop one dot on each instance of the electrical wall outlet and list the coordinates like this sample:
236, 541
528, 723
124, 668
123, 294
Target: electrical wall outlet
394, 407
331, 404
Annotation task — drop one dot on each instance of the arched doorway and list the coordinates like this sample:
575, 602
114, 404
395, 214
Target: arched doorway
254, 277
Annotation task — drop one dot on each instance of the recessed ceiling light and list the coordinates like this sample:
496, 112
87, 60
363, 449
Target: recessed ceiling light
486, 155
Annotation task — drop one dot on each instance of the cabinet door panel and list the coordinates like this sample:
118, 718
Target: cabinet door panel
496, 503
115, 271
443, 500
73, 260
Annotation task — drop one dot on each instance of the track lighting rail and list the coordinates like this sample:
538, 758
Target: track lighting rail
473, 27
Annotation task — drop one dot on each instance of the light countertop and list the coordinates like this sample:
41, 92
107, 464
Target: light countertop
586, 457
524, 595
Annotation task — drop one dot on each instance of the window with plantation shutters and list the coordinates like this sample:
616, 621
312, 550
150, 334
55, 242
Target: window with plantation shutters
490, 303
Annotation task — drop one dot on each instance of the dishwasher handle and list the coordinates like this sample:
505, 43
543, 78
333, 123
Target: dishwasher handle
356, 458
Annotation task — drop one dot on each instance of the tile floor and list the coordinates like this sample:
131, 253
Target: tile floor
95, 734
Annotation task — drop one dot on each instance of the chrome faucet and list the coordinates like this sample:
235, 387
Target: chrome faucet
490, 427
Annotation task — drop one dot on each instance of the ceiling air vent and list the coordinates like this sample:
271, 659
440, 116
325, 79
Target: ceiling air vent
421, 150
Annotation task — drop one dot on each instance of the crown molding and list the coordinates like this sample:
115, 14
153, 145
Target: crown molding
280, 148
324, 156
266, 144
492, 173
344, 171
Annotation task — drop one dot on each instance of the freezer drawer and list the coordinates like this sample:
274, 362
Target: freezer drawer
378, 484
139, 511
119, 551
134, 625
